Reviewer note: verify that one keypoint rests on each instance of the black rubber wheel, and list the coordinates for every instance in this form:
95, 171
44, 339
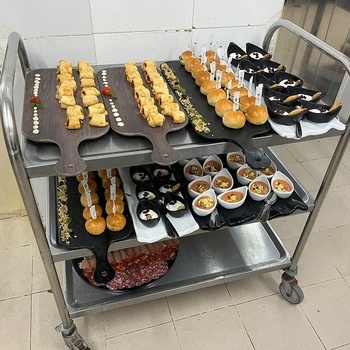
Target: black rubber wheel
296, 297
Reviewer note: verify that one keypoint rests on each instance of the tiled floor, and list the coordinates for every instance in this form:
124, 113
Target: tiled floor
243, 315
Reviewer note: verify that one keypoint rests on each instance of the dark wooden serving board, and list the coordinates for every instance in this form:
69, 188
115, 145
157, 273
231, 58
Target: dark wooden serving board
80, 238
134, 123
218, 131
52, 122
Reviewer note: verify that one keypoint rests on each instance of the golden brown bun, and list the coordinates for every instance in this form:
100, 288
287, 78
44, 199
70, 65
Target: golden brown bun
91, 184
94, 199
209, 60
91, 176
119, 194
214, 95
221, 67
210, 54
257, 115
116, 222
207, 85
201, 77
234, 119
191, 63
103, 172
245, 102
243, 91
226, 76
119, 206
222, 106
106, 182
87, 214
196, 69
95, 226
185, 56
234, 84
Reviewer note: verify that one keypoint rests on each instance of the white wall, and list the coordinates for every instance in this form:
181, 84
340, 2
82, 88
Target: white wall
115, 31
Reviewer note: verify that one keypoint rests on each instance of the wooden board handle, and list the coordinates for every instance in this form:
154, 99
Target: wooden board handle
104, 272
70, 163
163, 153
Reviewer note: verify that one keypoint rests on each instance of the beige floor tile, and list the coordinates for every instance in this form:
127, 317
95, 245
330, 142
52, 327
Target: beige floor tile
283, 154
39, 281
15, 272
303, 176
158, 337
330, 143
346, 347
254, 287
91, 327
335, 210
15, 323
335, 243
317, 168
217, 330
199, 301
289, 226
45, 318
98, 345
138, 316
308, 150
314, 264
347, 279
15, 232
272, 323
327, 306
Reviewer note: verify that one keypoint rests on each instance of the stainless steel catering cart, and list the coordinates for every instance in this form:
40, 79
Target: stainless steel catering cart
221, 257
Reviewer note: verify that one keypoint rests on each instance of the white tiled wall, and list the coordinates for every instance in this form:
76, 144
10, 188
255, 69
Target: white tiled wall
114, 31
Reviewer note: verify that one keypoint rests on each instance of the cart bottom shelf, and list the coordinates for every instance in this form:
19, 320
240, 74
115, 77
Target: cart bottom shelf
203, 260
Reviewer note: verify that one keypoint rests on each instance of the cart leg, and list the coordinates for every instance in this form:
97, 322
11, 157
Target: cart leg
290, 289
72, 338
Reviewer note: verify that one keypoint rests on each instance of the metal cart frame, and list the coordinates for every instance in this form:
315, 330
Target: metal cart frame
289, 287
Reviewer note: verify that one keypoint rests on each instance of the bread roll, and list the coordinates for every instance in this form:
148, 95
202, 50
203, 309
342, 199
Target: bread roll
206, 86
226, 76
245, 102
191, 63
90, 176
214, 95
87, 214
222, 106
119, 206
84, 199
196, 69
119, 194
95, 226
185, 56
91, 184
242, 90
234, 119
103, 172
115, 222
201, 77
257, 115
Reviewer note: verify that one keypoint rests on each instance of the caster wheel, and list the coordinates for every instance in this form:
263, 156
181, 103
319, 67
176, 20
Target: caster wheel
295, 297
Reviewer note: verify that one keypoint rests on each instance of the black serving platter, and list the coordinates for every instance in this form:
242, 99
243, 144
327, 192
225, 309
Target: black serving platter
320, 113
305, 94
256, 53
242, 137
236, 53
80, 238
249, 68
269, 66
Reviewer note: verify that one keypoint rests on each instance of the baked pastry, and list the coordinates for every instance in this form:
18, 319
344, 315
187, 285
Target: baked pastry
84, 199
226, 76
222, 106
89, 175
103, 172
177, 117
89, 91
68, 83
95, 226
64, 63
196, 69
155, 119
214, 95
73, 123
201, 77
65, 76
67, 101
97, 108
107, 181
118, 204
75, 111
168, 108
206, 86
234, 119
185, 56
83, 65
87, 212
86, 74
64, 91
211, 54
118, 193
191, 62
115, 222
257, 115
87, 83
98, 120
148, 109
242, 91
245, 102
90, 184
141, 91
166, 99
89, 100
